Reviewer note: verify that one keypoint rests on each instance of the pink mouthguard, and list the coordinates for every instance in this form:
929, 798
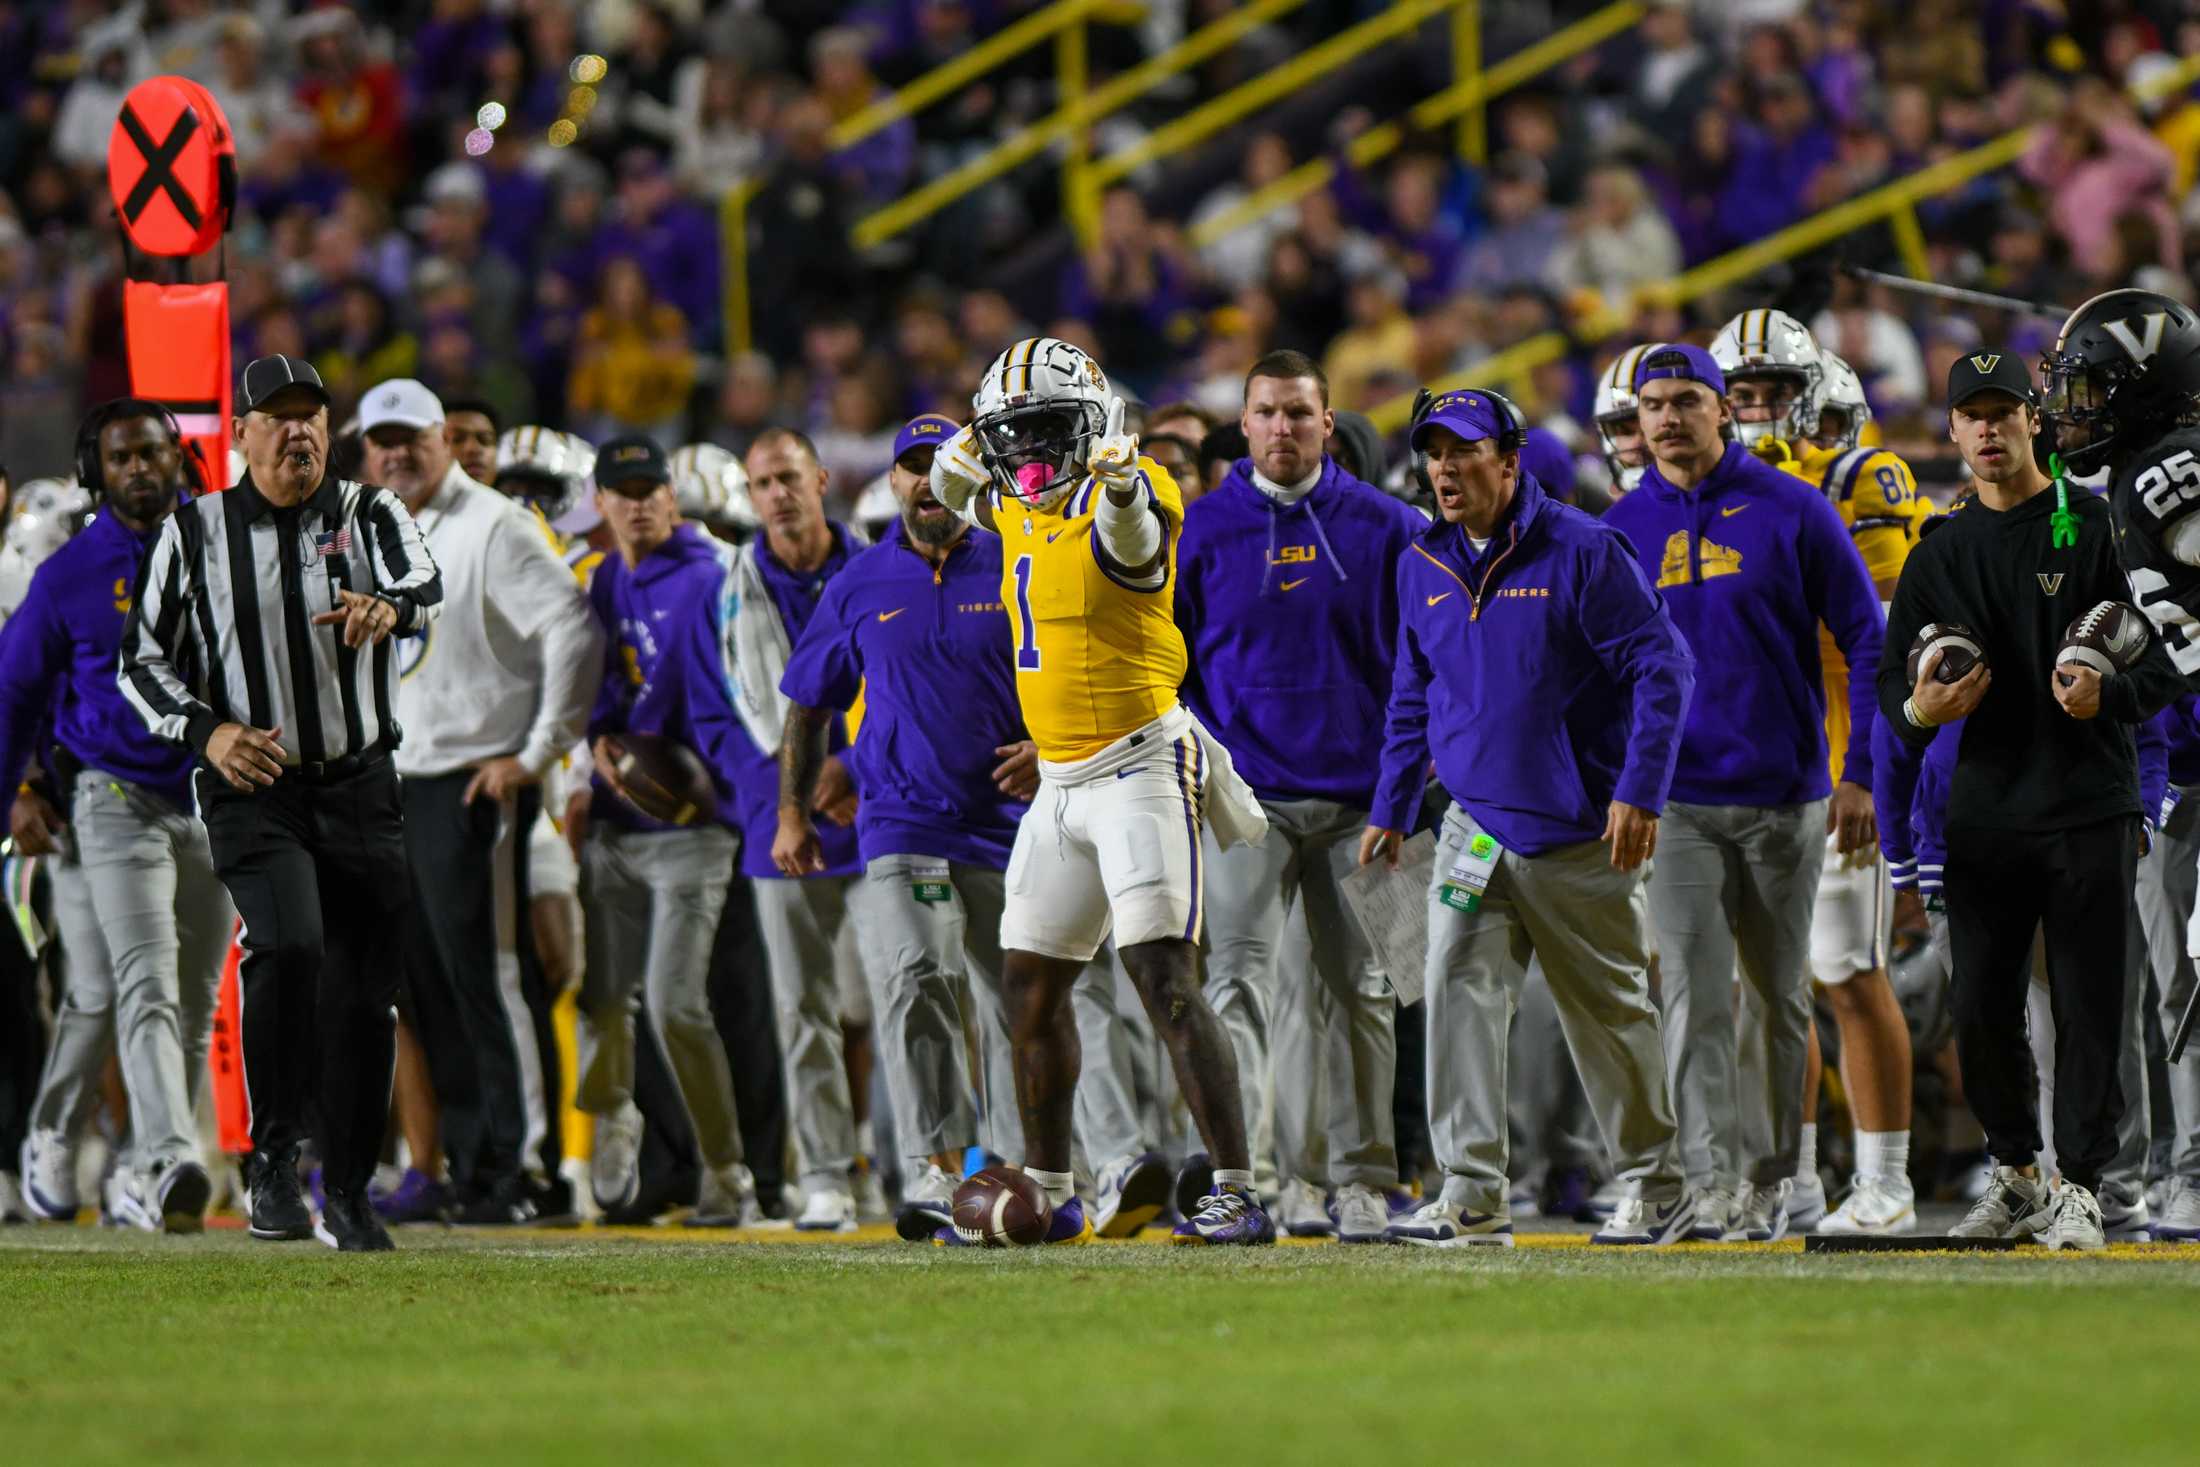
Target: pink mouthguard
1031, 478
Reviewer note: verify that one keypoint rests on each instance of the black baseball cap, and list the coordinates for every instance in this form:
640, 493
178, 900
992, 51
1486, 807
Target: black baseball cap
1990, 371
267, 376
629, 457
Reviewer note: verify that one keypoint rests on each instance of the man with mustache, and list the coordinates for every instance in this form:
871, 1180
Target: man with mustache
259, 636
145, 921
1751, 561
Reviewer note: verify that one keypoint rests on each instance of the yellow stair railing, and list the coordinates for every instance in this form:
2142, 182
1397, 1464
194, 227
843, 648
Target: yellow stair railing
1896, 202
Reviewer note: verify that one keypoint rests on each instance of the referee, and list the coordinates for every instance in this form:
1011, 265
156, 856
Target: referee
2043, 816
259, 636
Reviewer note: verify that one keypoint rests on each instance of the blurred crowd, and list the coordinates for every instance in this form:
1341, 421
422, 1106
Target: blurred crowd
519, 202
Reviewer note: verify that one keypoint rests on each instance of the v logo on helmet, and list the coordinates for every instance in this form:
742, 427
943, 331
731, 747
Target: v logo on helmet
2136, 346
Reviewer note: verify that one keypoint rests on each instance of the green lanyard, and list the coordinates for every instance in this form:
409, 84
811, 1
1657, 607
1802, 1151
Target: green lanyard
2064, 524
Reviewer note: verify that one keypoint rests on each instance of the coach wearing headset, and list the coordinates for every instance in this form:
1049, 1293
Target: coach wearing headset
1542, 671
147, 940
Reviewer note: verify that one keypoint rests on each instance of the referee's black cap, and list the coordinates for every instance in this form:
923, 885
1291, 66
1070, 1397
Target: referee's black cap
631, 458
266, 376
1990, 371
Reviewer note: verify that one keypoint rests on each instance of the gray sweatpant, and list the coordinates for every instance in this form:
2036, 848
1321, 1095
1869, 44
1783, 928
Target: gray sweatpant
800, 921
1585, 922
1124, 1084
2168, 878
1736, 881
1312, 846
652, 900
932, 931
145, 926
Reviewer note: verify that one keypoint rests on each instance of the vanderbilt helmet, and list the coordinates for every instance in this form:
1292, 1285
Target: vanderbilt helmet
1615, 414
1765, 344
544, 468
1040, 408
2124, 369
713, 488
1842, 392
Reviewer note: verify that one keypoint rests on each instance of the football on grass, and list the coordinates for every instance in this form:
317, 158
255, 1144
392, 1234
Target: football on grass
663, 777
1001, 1207
1958, 646
2109, 639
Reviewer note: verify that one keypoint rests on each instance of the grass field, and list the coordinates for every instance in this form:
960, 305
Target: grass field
588, 1347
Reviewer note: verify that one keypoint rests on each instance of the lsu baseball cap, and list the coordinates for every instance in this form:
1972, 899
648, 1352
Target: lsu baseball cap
629, 457
1469, 412
267, 376
1682, 363
925, 428
402, 401
1990, 371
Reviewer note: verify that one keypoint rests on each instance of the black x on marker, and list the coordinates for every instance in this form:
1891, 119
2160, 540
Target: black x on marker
160, 166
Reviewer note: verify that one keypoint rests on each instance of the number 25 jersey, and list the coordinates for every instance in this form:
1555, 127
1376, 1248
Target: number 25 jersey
2156, 496
1096, 657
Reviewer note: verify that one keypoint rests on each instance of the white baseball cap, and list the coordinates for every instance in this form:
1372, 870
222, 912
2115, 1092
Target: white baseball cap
400, 400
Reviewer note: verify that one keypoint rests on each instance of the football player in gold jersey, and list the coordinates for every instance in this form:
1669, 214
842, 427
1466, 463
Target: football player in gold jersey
1128, 778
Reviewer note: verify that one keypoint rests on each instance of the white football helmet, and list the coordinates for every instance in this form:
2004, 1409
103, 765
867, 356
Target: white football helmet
876, 507
47, 513
712, 487
1842, 392
545, 468
1615, 410
1041, 407
1764, 343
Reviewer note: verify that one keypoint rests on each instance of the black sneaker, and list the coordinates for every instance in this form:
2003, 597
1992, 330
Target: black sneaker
505, 1205
182, 1189
553, 1202
279, 1212
1195, 1182
348, 1225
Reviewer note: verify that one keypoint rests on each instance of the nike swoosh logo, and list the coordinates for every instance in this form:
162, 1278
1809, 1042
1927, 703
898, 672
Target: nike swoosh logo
1434, 599
1732, 510
1288, 585
890, 615
1051, 534
1127, 773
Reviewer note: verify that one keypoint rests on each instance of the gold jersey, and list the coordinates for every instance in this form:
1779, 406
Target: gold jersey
1096, 658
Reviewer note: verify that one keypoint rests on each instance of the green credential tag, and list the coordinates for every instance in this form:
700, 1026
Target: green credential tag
928, 883
1470, 875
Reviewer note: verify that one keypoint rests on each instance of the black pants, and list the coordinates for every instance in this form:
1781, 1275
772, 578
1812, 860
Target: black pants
471, 906
22, 1043
2002, 887
318, 874
741, 1005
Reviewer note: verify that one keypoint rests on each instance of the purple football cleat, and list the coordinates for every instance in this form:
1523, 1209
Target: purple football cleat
1227, 1217
417, 1199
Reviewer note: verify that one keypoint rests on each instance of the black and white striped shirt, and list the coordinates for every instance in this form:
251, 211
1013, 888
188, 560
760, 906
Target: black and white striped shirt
221, 629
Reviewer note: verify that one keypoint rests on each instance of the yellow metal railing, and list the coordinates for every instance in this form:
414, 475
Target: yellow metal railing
1896, 202
1056, 20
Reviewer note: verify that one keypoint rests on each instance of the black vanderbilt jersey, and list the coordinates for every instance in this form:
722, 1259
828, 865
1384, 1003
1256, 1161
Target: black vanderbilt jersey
2154, 492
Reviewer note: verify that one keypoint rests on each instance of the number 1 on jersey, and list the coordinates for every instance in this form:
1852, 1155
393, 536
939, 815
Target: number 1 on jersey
1027, 636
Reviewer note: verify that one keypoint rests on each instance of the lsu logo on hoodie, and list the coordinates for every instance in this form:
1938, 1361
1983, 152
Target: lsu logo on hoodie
1712, 560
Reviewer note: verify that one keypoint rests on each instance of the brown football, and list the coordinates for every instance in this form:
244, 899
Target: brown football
1000, 1207
663, 777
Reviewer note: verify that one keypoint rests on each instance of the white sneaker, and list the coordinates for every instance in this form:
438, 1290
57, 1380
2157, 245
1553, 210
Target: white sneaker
1875, 1206
829, 1210
1806, 1202
615, 1159
2179, 1218
1442, 1224
1605, 1200
2074, 1220
1764, 1211
1303, 1212
1131, 1191
2014, 1206
1640, 1223
728, 1200
12, 1207
1718, 1216
1521, 1199
49, 1176
2124, 1219
927, 1204
1362, 1215
870, 1194
122, 1203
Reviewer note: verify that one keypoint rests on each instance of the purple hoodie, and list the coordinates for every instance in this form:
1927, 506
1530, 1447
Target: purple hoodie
1751, 561
1290, 617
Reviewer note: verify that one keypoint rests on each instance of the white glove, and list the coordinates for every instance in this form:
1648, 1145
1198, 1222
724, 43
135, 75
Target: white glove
1114, 459
958, 473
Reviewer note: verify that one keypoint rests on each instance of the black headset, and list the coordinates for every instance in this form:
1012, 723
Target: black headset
1510, 437
92, 476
